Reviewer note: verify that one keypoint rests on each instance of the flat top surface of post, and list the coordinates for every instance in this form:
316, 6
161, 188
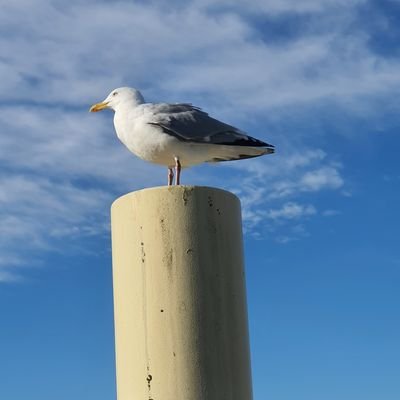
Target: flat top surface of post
184, 190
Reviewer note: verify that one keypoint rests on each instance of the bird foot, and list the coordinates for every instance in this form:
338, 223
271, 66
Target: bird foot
170, 176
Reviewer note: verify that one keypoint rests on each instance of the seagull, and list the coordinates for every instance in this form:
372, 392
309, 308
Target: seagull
176, 135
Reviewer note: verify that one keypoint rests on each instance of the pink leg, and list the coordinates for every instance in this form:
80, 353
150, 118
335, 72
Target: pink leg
177, 171
170, 176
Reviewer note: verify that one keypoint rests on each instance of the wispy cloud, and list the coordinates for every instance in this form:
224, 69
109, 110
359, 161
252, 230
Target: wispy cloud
163, 50
330, 213
291, 210
294, 233
284, 6
36, 211
273, 190
326, 177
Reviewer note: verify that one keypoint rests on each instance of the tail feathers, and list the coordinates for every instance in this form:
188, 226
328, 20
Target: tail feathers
230, 153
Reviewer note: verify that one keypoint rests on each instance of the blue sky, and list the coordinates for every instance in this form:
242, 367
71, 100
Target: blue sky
318, 78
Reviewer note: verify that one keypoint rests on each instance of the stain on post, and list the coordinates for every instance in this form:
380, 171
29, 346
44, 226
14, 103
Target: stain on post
142, 252
186, 194
149, 379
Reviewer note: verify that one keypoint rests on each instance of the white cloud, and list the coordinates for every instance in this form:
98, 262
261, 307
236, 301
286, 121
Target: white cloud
330, 213
7, 276
291, 210
283, 6
272, 189
188, 53
33, 211
294, 233
323, 178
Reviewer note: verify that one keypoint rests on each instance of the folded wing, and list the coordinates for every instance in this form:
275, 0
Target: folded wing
190, 124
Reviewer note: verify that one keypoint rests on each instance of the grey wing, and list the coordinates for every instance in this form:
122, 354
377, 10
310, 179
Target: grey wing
190, 124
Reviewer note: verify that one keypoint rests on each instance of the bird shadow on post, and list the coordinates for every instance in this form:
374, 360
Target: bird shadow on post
181, 327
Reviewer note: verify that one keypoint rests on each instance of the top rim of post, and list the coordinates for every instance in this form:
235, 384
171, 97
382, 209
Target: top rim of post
179, 188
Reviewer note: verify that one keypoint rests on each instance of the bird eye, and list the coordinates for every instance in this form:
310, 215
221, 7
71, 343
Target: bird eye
115, 93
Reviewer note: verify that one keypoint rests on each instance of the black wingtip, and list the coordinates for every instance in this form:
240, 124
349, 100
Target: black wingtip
270, 150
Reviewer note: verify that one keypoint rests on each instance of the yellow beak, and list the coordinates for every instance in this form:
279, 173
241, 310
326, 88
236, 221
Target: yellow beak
99, 106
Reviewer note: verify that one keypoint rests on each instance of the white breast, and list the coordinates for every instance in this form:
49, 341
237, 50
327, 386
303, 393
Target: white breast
144, 140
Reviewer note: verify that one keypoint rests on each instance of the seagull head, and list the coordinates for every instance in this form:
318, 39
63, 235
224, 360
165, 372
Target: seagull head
123, 95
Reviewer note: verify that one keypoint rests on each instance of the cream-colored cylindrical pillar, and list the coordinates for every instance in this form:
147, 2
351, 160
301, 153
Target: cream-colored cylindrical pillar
181, 326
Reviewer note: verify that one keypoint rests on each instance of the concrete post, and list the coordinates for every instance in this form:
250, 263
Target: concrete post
179, 295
